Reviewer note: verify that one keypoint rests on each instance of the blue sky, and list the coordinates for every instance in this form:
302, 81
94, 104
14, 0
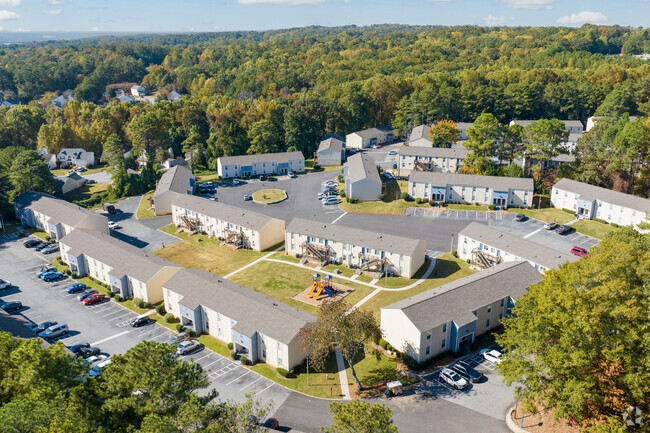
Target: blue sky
143, 16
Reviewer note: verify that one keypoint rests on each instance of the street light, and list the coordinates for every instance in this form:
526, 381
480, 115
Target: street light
452, 243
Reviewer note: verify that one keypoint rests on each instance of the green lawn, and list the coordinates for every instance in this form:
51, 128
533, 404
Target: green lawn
208, 254
207, 178
391, 204
64, 171
85, 192
465, 207
309, 165
372, 371
548, 214
280, 255
396, 282
144, 208
10, 227
269, 195
593, 228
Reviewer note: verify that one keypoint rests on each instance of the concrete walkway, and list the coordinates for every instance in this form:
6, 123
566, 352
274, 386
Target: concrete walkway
343, 376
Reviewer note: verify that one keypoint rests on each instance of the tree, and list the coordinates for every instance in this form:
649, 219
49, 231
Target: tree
360, 417
510, 142
579, 342
444, 133
338, 329
28, 172
148, 136
545, 139
482, 135
114, 149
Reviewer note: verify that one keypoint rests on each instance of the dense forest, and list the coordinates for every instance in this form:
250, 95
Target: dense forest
255, 92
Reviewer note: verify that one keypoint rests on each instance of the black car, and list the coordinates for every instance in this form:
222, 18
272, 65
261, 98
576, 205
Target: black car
31, 243
87, 352
43, 326
10, 307
42, 245
76, 349
467, 372
262, 178
139, 321
21, 234
272, 179
565, 229
520, 217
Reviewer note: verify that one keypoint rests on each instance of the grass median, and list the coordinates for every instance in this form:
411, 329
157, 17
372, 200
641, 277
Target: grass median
594, 229
269, 195
548, 214
144, 208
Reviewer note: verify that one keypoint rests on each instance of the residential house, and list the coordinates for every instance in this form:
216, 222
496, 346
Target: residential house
438, 159
419, 137
591, 122
64, 98
260, 328
362, 179
237, 227
69, 183
173, 162
453, 315
175, 182
129, 271
56, 217
174, 96
49, 158
126, 98
331, 151
76, 156
265, 163
490, 190
371, 251
138, 91
589, 202
370, 137
484, 246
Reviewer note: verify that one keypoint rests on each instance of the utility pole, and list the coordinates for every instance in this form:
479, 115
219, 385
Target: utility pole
452, 243
307, 370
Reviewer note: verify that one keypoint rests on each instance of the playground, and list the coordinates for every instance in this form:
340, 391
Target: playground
322, 288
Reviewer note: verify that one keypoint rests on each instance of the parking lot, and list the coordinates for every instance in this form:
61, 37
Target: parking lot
106, 324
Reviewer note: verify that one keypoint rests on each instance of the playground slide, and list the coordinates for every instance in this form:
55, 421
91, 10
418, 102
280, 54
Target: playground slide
313, 289
328, 291
320, 290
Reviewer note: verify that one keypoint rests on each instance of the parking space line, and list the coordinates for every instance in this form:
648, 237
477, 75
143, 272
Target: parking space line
109, 338
532, 233
265, 389
256, 380
197, 360
164, 335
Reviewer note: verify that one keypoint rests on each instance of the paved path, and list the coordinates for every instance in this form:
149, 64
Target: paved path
343, 376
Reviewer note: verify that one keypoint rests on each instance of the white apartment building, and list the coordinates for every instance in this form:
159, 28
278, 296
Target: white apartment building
362, 180
370, 137
438, 159
265, 163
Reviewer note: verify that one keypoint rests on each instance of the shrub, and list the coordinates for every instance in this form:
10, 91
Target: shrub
74, 276
600, 220
244, 360
234, 355
67, 272
432, 202
138, 302
340, 178
389, 347
282, 372
47, 238
160, 309
454, 253
190, 332
405, 196
179, 327
410, 362
383, 343
147, 305
111, 294
477, 204
316, 167
418, 200
118, 298
230, 346
59, 261
342, 193
492, 207
615, 225
169, 318
381, 197
355, 200
572, 212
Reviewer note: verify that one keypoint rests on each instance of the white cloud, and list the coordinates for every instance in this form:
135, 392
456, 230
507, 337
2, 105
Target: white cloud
1, 28
10, 3
56, 2
492, 20
282, 2
52, 11
94, 29
20, 31
584, 17
529, 4
8, 15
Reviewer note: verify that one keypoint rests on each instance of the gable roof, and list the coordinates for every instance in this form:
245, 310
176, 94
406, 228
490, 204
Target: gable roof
175, 179
362, 166
373, 132
498, 183
224, 212
261, 157
520, 247
591, 193
124, 258
420, 132
69, 183
567, 123
464, 125
331, 143
59, 211
355, 236
434, 152
455, 301
251, 310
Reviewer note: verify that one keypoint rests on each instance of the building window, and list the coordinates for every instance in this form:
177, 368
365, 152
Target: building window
490, 309
502, 302
444, 327
487, 323
428, 336
444, 343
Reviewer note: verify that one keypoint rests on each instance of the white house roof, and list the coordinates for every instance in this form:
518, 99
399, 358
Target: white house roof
331, 143
175, 179
434, 152
374, 132
362, 166
464, 125
455, 301
591, 193
262, 157
59, 211
420, 132
498, 183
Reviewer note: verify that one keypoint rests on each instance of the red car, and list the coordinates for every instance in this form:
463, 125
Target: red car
93, 299
579, 251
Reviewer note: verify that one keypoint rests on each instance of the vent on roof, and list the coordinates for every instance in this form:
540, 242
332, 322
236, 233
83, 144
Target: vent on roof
275, 305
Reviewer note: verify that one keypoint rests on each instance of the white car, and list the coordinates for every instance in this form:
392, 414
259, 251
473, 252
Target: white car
5, 285
322, 195
97, 368
330, 201
392, 152
452, 378
187, 346
113, 225
492, 355
95, 359
550, 225
331, 183
236, 181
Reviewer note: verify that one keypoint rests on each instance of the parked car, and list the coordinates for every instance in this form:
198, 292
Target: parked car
91, 181
107, 207
113, 225
81, 169
30, 243
262, 177
42, 246
83, 295
93, 360
53, 276
550, 225
205, 184
97, 369
467, 372
140, 320
4, 284
492, 355
565, 229
322, 195
43, 326
272, 179
75, 288
248, 197
93, 299
388, 175
187, 346
292, 175
330, 201
50, 249
520, 217
271, 423
237, 182
12, 306
178, 338
452, 378
392, 152
579, 251
54, 331
77, 347
45, 270
21, 234
87, 352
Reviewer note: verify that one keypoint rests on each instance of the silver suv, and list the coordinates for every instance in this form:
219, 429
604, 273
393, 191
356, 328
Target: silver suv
54, 331
452, 378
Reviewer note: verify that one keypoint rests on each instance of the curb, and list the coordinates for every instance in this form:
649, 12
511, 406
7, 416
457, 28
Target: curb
286, 196
511, 424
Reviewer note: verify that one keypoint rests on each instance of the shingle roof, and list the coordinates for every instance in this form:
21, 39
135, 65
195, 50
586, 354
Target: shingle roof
224, 212
331, 143
456, 300
262, 157
373, 132
498, 183
175, 179
434, 152
567, 123
362, 166
355, 236
59, 211
420, 132
125, 259
251, 310
464, 125
520, 247
591, 193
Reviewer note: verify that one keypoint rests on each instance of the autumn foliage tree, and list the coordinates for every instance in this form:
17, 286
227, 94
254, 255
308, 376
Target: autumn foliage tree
444, 133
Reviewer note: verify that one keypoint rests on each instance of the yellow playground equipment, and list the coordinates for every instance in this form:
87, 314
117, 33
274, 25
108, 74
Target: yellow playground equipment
321, 285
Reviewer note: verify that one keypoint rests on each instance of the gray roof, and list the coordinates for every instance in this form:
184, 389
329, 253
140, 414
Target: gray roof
374, 132
497, 183
567, 123
355, 236
574, 136
434, 152
224, 212
570, 123
251, 310
175, 179
520, 247
591, 193
331, 143
69, 183
124, 258
262, 157
464, 125
420, 132
59, 211
362, 166
456, 300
